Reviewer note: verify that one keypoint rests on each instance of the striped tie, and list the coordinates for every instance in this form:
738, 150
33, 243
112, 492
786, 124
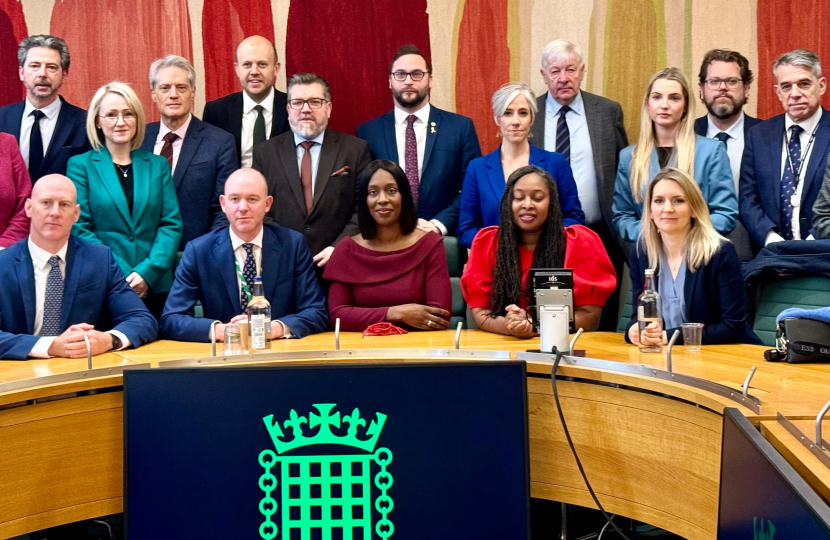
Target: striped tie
563, 136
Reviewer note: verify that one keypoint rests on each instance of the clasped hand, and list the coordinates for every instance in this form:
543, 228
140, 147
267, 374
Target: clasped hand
651, 335
71, 344
419, 316
517, 322
276, 328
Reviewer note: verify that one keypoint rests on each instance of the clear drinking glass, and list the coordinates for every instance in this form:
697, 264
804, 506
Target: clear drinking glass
692, 335
233, 341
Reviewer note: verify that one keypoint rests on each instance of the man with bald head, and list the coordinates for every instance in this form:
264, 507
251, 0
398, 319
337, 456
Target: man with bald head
56, 287
258, 112
217, 268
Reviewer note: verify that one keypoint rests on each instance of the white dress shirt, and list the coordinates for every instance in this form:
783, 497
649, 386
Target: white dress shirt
249, 118
315, 156
420, 128
734, 145
582, 153
47, 126
177, 144
809, 126
40, 262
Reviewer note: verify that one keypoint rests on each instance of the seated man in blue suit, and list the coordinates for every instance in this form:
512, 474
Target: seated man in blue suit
432, 146
56, 287
201, 156
785, 156
215, 267
48, 129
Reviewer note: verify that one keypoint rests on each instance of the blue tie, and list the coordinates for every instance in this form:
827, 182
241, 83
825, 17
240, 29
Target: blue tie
563, 136
54, 299
249, 272
788, 182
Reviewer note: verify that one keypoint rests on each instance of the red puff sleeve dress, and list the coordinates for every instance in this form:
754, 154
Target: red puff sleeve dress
594, 275
365, 282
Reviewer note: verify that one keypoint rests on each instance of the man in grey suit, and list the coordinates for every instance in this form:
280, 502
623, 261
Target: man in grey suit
588, 130
312, 170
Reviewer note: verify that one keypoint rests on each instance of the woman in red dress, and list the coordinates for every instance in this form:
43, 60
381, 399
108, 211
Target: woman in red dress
392, 271
531, 235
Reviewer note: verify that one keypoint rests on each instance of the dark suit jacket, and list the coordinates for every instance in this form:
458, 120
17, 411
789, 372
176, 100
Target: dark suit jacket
334, 211
69, 138
702, 124
714, 296
226, 113
94, 292
207, 273
206, 160
760, 185
451, 145
607, 133
484, 187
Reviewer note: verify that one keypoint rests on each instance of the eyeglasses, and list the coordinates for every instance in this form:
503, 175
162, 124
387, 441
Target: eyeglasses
731, 83
314, 103
112, 118
416, 75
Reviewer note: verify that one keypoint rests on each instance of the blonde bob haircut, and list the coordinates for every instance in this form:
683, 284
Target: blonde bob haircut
684, 145
95, 134
504, 96
702, 240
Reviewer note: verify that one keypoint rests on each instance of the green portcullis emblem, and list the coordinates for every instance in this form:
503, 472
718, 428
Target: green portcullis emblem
331, 494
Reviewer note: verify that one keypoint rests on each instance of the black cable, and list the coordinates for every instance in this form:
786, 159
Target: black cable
571, 444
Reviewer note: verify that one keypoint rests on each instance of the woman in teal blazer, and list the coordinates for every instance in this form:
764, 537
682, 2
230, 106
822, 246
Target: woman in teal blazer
127, 195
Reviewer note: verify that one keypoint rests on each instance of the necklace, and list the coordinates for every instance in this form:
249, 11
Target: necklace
124, 170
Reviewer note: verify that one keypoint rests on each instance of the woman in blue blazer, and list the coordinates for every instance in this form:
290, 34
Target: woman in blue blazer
127, 195
514, 109
697, 271
667, 139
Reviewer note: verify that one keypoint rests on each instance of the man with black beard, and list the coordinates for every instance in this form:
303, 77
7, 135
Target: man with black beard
432, 146
725, 80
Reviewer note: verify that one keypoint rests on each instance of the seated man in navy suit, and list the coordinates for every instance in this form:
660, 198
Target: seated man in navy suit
432, 146
56, 287
48, 129
785, 156
215, 267
201, 156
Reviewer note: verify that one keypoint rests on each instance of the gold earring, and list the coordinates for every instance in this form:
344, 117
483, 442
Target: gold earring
499, 135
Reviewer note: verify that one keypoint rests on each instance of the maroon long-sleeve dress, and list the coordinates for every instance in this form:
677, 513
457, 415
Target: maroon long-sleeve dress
365, 282
15, 188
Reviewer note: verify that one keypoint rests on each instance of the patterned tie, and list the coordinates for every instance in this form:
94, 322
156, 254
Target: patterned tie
305, 175
789, 180
259, 125
723, 137
35, 145
563, 136
54, 299
249, 272
411, 158
167, 148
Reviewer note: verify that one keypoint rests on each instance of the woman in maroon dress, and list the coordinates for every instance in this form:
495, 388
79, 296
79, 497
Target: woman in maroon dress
392, 271
531, 235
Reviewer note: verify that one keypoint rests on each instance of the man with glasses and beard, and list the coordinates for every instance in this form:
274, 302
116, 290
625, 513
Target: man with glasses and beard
725, 80
431, 145
311, 170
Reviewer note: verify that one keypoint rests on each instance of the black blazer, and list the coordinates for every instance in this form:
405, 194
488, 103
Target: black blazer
714, 296
69, 138
206, 160
702, 124
334, 211
226, 113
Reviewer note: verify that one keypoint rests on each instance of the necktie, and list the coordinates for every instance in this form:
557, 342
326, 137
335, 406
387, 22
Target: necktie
788, 181
563, 136
259, 125
249, 273
722, 137
35, 145
167, 148
305, 174
54, 299
411, 158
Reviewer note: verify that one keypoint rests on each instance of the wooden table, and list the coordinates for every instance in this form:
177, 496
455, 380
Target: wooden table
650, 446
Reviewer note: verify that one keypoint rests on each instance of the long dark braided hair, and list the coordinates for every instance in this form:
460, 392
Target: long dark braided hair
549, 252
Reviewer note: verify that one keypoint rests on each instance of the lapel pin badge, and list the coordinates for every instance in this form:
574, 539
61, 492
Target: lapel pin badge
432, 127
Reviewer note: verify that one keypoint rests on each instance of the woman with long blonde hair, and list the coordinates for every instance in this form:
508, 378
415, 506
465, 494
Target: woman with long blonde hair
698, 274
667, 139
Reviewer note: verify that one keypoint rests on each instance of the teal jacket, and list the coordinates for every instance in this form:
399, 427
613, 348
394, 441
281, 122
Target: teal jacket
144, 242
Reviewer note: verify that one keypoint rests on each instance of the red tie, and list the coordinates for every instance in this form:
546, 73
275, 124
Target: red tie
305, 174
167, 148
411, 158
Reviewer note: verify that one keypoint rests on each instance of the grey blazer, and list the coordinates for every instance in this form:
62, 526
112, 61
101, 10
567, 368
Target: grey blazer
607, 132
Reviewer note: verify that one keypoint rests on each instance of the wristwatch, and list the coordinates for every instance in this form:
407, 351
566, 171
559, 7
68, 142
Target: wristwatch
116, 342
